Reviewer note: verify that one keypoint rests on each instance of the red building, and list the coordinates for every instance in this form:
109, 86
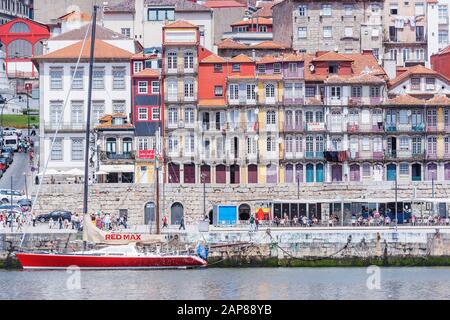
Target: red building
146, 111
22, 40
440, 62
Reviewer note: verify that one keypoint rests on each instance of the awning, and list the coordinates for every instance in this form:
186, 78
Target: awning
117, 168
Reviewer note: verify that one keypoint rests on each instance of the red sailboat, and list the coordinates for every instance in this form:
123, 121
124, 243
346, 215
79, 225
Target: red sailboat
122, 251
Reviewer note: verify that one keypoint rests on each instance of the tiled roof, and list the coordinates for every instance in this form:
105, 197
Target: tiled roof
223, 4
142, 55
265, 9
211, 103
180, 5
147, 73
101, 33
293, 57
259, 20
416, 70
268, 59
213, 59
242, 58
267, 45
180, 24
106, 122
231, 44
405, 99
332, 56
441, 99
102, 51
361, 78
75, 15
124, 6
445, 50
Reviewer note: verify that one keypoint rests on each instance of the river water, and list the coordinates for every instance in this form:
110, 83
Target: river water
245, 283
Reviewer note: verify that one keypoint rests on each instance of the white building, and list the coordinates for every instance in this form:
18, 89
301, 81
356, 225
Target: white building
63, 107
149, 16
101, 33
438, 16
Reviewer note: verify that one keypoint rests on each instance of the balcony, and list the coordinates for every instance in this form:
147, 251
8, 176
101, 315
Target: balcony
418, 127
431, 156
336, 127
294, 155
314, 155
290, 100
376, 100
287, 128
315, 126
391, 128
443, 20
112, 156
65, 126
242, 102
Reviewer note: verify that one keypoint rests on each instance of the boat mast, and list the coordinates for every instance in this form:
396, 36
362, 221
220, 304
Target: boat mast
88, 121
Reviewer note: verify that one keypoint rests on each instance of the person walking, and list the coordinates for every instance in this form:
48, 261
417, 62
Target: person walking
60, 221
256, 223
33, 218
165, 222
182, 224
252, 223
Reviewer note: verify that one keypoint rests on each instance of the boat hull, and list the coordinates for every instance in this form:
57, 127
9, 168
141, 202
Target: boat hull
86, 261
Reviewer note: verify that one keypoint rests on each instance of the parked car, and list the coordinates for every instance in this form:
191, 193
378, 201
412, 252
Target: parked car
54, 215
8, 131
5, 195
8, 149
4, 164
8, 156
24, 202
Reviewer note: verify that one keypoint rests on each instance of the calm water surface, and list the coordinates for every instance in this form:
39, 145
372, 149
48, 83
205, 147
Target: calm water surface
248, 283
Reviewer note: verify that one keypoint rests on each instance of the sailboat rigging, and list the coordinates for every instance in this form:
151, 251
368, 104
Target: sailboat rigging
122, 252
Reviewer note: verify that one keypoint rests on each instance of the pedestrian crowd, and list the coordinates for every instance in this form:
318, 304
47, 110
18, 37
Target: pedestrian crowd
108, 222
16, 219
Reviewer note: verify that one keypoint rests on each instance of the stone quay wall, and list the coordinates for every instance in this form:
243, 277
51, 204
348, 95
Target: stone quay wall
133, 197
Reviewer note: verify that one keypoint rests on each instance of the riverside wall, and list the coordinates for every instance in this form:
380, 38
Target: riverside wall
133, 197
405, 246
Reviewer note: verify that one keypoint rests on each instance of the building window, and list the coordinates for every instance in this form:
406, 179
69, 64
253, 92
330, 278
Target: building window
405, 54
404, 143
189, 115
98, 110
137, 66
189, 89
126, 32
333, 68
270, 90
142, 114
77, 113
77, 78
56, 78
251, 94
356, 92
277, 67
118, 106
292, 67
98, 78
335, 92
234, 91
172, 89
271, 147
118, 78
20, 49
404, 169
236, 67
302, 32
415, 83
416, 145
57, 149
142, 87
419, 9
348, 10
393, 9
420, 35
173, 144
155, 87
160, 14
218, 91
55, 112
348, 32
366, 170
19, 27
77, 149
262, 28
270, 117
327, 32
302, 10
173, 116
326, 10
261, 68
217, 67
189, 60
171, 60
374, 92
443, 36
310, 92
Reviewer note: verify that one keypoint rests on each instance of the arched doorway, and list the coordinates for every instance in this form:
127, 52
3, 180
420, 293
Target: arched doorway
176, 213
416, 172
244, 212
149, 213
391, 172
